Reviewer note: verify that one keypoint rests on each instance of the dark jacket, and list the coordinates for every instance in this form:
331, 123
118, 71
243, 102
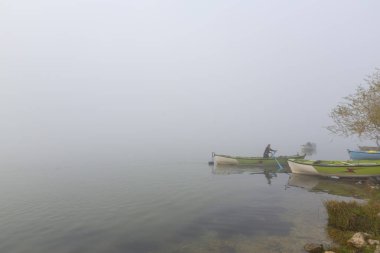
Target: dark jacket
267, 151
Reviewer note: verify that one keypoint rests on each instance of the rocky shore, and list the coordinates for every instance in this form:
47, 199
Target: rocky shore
353, 226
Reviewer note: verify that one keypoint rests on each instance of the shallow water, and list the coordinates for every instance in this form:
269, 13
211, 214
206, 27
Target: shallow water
172, 207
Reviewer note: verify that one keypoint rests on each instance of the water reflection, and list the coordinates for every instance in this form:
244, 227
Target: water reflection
346, 187
268, 172
180, 208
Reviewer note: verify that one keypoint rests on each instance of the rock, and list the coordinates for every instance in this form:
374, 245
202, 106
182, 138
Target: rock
326, 246
377, 250
329, 252
313, 248
373, 242
358, 240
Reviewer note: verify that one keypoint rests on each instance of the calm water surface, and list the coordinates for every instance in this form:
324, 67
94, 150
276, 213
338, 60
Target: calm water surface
172, 207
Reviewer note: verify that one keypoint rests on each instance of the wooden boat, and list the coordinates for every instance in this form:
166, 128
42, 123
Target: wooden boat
364, 155
245, 160
368, 148
358, 168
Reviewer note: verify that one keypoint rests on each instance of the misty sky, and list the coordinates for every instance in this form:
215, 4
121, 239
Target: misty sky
123, 80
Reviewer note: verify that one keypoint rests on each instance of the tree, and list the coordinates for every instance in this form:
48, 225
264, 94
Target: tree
360, 113
309, 148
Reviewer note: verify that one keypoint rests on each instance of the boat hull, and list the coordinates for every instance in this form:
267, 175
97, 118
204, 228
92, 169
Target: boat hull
362, 168
240, 160
364, 155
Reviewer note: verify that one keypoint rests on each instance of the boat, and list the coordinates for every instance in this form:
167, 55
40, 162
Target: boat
357, 168
364, 155
246, 160
369, 148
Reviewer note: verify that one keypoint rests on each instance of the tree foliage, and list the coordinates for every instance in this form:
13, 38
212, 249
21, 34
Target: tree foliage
309, 148
359, 114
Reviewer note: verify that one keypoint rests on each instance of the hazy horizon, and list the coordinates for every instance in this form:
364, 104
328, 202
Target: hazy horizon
176, 80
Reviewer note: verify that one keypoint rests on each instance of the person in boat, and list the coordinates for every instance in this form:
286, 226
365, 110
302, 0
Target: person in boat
267, 151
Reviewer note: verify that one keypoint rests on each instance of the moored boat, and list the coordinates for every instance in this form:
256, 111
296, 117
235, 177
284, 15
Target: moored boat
358, 168
246, 160
369, 148
364, 155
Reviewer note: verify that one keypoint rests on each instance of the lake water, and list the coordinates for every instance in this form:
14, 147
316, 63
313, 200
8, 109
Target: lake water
168, 207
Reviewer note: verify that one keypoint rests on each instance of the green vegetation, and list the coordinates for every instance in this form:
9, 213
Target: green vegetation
341, 237
360, 113
347, 218
352, 216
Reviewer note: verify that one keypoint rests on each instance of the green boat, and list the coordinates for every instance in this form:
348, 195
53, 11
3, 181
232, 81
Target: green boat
352, 168
246, 160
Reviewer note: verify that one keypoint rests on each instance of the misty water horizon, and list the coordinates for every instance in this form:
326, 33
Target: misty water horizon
165, 81
110, 111
115, 152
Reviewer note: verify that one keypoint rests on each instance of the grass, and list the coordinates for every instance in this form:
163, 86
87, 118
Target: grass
353, 216
347, 218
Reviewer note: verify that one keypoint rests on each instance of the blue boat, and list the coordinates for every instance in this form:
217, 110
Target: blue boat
364, 155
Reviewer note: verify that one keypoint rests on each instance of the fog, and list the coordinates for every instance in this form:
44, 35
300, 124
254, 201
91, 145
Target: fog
111, 81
